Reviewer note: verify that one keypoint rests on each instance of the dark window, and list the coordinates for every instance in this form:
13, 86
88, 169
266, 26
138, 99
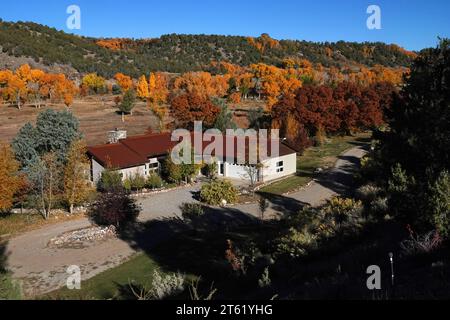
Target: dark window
280, 163
153, 165
221, 168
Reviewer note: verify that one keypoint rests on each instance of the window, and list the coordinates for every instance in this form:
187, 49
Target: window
221, 168
153, 167
280, 166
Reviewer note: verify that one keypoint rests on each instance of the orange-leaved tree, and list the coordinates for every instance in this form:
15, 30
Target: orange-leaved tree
11, 180
189, 107
125, 82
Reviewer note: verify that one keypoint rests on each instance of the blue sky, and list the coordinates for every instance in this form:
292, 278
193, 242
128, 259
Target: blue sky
413, 24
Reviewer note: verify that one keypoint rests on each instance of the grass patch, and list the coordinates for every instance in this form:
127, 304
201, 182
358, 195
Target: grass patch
315, 157
14, 223
112, 283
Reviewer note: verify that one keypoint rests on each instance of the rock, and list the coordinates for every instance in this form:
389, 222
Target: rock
83, 237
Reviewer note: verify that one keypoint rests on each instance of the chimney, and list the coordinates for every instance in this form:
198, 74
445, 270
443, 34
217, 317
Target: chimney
116, 135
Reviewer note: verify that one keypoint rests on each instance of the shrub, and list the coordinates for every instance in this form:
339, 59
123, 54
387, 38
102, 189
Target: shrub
379, 207
417, 244
135, 182
439, 203
210, 170
218, 190
403, 194
164, 286
171, 171
265, 281
114, 208
296, 243
116, 89
127, 184
154, 181
370, 168
110, 180
343, 209
367, 192
192, 210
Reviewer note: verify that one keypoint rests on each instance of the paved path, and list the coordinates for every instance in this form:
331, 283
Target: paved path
44, 269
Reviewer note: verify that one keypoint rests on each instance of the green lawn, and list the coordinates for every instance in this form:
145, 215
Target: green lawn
111, 283
314, 157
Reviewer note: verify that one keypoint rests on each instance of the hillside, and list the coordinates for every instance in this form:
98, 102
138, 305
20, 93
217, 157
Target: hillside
177, 53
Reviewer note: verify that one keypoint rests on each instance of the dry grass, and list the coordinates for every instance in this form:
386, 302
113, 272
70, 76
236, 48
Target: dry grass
97, 115
13, 224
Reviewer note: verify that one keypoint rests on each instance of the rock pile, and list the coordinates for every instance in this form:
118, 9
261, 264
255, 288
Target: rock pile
83, 237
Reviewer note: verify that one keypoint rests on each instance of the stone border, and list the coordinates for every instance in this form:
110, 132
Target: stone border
161, 190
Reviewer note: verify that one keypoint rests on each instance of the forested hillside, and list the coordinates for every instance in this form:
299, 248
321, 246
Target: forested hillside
182, 53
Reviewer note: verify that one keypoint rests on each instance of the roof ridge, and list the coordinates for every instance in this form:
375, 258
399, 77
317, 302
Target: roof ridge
145, 135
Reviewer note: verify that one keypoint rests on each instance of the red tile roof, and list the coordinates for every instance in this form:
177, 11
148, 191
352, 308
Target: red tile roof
136, 150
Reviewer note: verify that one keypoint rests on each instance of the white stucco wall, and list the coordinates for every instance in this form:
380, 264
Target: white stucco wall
97, 170
235, 171
129, 172
269, 170
270, 167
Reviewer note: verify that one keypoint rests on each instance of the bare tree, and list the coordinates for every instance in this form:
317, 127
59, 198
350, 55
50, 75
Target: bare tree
252, 172
46, 176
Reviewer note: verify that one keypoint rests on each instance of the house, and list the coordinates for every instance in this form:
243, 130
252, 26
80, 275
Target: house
144, 154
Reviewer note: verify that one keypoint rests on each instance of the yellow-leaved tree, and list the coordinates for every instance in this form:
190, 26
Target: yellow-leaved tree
11, 179
142, 88
77, 186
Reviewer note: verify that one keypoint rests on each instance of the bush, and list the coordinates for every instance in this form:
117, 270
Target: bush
210, 170
218, 190
403, 195
154, 181
136, 182
343, 209
439, 203
114, 208
171, 171
167, 285
379, 207
191, 211
296, 243
110, 180
418, 244
116, 89
368, 192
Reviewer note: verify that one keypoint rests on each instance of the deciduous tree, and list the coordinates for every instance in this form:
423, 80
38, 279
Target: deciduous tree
188, 108
77, 186
11, 179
